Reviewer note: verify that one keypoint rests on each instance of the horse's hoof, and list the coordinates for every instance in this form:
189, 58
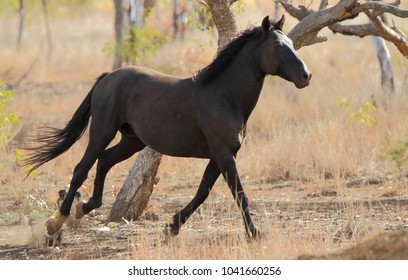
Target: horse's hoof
54, 224
257, 236
79, 212
169, 232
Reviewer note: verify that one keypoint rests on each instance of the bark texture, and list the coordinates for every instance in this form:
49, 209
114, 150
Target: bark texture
138, 187
224, 20
306, 32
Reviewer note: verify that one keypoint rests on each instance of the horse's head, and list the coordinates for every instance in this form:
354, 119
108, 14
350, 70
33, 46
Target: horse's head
278, 57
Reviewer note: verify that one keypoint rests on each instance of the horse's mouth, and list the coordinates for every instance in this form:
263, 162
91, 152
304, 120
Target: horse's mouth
302, 85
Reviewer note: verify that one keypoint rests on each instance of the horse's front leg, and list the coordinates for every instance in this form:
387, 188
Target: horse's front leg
211, 173
226, 162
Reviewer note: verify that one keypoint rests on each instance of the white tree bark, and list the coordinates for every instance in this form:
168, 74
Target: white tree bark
383, 54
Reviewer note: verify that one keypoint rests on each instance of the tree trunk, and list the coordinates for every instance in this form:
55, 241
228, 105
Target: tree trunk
20, 24
224, 21
138, 187
276, 14
48, 30
383, 54
121, 28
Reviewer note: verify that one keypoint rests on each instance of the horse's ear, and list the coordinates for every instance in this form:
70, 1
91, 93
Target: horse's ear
279, 24
266, 23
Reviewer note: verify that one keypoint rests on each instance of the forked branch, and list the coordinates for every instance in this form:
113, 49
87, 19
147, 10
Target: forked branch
306, 32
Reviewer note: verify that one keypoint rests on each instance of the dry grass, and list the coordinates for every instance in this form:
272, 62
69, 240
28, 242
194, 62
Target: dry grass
294, 136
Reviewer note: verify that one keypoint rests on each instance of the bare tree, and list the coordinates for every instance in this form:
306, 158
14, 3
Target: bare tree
384, 57
20, 23
121, 28
47, 29
306, 32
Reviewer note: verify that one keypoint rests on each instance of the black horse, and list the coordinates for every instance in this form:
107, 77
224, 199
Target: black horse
203, 116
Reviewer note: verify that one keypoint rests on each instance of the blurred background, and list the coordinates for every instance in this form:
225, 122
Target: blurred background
343, 127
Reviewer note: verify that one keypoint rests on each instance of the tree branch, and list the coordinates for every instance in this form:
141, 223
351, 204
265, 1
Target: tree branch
360, 30
323, 4
380, 8
311, 22
298, 13
306, 32
390, 34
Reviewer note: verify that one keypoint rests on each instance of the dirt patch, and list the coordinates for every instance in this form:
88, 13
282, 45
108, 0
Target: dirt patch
341, 222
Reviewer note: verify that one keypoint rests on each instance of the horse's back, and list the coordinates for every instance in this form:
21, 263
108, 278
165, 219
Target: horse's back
127, 88
161, 109
143, 76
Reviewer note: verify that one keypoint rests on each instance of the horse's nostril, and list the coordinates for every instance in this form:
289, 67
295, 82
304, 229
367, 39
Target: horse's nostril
307, 76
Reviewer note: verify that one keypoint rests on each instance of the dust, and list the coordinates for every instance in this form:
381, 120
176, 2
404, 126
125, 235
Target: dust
27, 234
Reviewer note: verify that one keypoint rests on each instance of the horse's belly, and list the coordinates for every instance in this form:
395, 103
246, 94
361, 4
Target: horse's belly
169, 126
180, 147
176, 141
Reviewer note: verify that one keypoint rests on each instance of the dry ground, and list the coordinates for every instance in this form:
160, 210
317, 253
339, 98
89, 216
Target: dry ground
317, 183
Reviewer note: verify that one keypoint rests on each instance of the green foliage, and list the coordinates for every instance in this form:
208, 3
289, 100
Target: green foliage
31, 208
201, 19
398, 153
19, 156
358, 114
9, 122
34, 207
396, 149
8, 6
9, 218
241, 6
138, 44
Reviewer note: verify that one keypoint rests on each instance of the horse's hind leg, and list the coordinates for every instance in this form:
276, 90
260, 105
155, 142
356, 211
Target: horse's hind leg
97, 144
127, 147
211, 173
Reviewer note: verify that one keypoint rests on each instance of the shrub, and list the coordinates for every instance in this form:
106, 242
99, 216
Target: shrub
9, 122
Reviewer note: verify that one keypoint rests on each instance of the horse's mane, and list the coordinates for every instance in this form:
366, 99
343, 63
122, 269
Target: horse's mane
226, 55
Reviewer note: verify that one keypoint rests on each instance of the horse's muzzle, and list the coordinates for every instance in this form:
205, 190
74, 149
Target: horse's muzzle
305, 80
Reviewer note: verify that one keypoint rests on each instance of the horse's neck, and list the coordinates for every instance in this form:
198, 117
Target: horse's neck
242, 82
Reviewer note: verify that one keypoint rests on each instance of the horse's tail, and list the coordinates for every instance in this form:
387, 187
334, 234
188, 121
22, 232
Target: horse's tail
54, 141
